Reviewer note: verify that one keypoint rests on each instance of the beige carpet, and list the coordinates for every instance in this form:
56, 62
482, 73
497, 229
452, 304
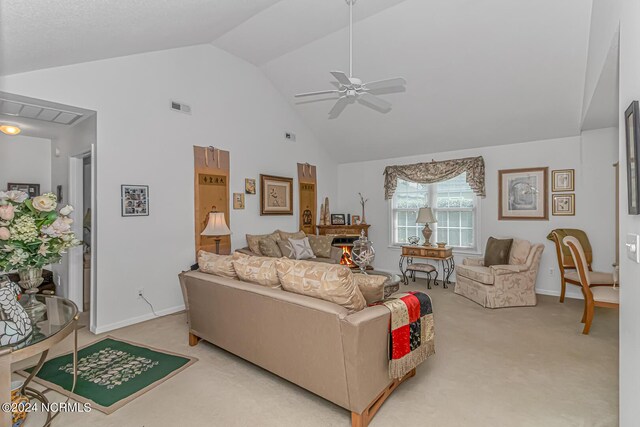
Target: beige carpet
508, 367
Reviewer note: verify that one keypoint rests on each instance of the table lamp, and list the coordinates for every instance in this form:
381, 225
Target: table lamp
425, 216
216, 227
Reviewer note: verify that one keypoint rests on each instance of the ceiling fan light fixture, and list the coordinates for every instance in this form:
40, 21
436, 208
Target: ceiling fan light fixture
10, 130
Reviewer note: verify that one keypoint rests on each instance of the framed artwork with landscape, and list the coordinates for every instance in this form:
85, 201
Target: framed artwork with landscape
632, 127
522, 194
276, 195
338, 219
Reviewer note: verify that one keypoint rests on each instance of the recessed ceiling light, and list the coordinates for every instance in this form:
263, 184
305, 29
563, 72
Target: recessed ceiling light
10, 129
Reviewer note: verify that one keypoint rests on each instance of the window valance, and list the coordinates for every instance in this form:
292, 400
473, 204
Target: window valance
431, 172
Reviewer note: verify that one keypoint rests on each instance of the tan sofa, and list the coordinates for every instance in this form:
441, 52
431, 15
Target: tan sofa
336, 253
313, 343
511, 285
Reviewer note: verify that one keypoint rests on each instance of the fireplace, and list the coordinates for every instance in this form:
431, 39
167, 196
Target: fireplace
345, 243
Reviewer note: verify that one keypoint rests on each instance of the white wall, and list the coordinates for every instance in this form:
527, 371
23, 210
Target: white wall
141, 141
25, 159
629, 271
591, 155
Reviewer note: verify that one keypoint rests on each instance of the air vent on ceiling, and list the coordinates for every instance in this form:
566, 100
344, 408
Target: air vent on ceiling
178, 106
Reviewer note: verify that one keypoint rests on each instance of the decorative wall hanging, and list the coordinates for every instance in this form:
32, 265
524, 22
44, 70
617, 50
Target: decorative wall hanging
563, 204
432, 172
563, 180
249, 186
238, 200
276, 195
523, 194
211, 188
307, 181
632, 126
134, 200
33, 190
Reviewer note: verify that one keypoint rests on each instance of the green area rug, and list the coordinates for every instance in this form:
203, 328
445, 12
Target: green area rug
111, 372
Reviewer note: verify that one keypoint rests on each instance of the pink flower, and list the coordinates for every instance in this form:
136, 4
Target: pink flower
59, 227
5, 234
7, 212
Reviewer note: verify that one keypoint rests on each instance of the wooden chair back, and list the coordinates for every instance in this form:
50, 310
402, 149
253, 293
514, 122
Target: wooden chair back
581, 263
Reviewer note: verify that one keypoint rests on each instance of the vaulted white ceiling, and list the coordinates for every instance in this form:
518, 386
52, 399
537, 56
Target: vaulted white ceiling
479, 72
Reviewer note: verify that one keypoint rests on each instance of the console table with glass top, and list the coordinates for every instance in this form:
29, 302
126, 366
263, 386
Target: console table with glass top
58, 322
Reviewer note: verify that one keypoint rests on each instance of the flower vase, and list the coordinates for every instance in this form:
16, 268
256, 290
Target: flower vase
30, 279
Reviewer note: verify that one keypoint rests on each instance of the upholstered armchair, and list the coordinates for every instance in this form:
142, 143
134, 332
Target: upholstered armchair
510, 285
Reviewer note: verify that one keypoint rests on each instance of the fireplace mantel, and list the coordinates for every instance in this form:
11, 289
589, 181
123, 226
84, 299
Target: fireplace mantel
343, 230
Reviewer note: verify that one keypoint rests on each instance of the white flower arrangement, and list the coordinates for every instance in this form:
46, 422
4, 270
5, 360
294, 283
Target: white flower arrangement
32, 232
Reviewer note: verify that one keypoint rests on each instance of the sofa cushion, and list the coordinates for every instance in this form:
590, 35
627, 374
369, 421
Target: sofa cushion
301, 248
269, 247
286, 249
321, 245
285, 235
519, 252
256, 269
497, 251
371, 286
220, 265
328, 282
476, 273
254, 239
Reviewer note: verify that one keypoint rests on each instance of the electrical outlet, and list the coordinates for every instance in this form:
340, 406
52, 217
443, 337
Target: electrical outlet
140, 293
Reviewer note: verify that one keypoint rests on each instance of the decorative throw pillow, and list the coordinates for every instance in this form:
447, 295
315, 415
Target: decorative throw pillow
321, 245
286, 249
371, 286
284, 235
329, 282
253, 241
220, 265
302, 249
256, 269
519, 252
497, 251
269, 247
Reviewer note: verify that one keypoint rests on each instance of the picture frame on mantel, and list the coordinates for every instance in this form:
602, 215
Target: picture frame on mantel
523, 194
632, 130
276, 195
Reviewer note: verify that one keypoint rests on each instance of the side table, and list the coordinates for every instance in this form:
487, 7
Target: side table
443, 256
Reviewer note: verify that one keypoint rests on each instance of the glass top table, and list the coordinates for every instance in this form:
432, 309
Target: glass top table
54, 323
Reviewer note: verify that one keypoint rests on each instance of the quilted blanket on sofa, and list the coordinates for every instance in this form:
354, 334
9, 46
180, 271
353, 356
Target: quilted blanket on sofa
411, 335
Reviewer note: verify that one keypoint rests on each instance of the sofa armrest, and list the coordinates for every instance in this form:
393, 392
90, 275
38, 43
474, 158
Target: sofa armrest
499, 270
336, 254
365, 340
478, 262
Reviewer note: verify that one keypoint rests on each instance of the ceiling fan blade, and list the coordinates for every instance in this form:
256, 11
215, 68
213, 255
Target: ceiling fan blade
381, 84
321, 92
374, 102
339, 107
341, 77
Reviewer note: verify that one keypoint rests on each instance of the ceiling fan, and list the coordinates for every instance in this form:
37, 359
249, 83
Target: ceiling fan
351, 89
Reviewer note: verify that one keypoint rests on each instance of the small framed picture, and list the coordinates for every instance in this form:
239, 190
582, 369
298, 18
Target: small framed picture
355, 219
135, 200
249, 186
563, 204
338, 219
238, 200
632, 132
33, 190
563, 180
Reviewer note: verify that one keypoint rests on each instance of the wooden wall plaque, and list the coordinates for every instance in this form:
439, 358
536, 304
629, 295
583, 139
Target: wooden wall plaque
308, 188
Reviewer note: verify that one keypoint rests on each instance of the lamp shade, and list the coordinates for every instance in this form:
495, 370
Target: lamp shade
216, 226
425, 216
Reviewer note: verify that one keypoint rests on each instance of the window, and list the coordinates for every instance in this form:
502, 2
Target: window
454, 205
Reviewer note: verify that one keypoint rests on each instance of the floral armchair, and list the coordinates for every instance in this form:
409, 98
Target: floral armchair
510, 285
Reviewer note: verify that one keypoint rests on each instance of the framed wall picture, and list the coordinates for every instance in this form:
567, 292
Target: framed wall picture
338, 219
563, 180
355, 219
563, 204
238, 200
632, 128
135, 200
33, 190
276, 195
249, 186
522, 194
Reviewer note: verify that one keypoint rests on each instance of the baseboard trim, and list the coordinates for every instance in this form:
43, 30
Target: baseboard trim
139, 319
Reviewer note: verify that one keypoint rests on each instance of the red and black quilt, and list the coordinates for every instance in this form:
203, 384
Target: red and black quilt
411, 332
